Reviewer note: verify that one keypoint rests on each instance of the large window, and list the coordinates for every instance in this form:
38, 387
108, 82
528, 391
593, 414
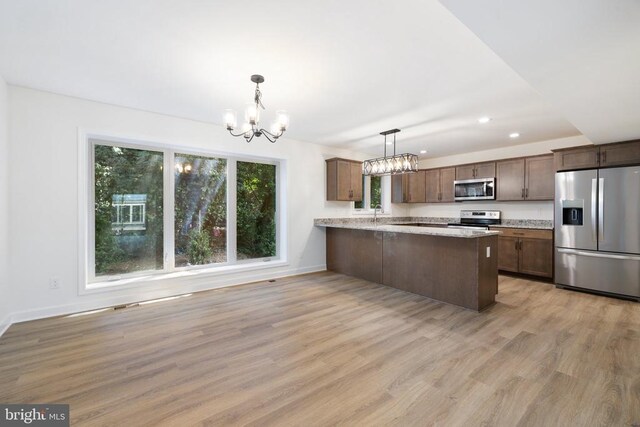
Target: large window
128, 210
256, 210
161, 210
200, 210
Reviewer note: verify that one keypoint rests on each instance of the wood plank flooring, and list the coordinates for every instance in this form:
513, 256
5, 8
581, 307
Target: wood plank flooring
327, 349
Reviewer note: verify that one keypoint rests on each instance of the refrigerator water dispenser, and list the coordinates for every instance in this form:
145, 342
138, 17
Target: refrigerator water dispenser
572, 212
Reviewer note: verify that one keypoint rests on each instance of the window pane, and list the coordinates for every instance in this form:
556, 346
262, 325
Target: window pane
256, 210
200, 210
136, 214
124, 176
376, 191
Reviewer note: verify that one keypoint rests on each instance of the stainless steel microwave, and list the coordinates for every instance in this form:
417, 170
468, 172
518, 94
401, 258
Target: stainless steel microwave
475, 189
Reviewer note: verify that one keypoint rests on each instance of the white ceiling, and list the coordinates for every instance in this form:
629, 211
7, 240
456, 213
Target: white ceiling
583, 56
344, 70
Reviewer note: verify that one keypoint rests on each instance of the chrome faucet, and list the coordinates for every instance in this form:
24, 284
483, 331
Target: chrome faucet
375, 215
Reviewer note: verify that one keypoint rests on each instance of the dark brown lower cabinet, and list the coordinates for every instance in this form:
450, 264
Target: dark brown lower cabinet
450, 269
508, 259
526, 251
355, 253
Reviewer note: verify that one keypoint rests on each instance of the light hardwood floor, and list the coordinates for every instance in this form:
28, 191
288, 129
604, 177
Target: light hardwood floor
326, 349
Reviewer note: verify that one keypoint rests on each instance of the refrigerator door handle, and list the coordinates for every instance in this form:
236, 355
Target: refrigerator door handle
597, 254
601, 209
594, 195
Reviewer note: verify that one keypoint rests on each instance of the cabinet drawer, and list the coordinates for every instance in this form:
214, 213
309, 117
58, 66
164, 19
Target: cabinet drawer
525, 232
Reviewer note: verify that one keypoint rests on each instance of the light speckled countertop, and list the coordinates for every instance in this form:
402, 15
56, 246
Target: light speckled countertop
538, 224
430, 231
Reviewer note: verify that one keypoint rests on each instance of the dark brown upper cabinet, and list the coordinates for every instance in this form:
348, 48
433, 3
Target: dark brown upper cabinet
528, 178
539, 178
625, 153
621, 154
476, 171
344, 180
576, 158
439, 185
408, 188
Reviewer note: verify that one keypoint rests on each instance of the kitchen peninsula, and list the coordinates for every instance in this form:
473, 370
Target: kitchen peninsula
451, 265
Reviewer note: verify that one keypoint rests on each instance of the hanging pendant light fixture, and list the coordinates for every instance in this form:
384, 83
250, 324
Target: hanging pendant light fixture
391, 165
251, 128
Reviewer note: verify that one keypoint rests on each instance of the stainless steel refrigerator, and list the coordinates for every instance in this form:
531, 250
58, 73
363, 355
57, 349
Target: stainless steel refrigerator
597, 230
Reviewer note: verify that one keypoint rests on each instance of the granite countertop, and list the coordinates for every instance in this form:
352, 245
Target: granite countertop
538, 224
430, 231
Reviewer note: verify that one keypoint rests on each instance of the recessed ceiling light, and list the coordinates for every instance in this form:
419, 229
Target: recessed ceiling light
423, 151
514, 135
484, 120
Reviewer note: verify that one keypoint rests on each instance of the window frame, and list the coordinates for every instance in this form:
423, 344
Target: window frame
90, 283
385, 187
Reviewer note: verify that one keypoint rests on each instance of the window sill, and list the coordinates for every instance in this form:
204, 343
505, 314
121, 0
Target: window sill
157, 278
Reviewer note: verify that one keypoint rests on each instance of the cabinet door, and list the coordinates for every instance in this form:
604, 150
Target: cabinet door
536, 257
356, 181
620, 154
447, 176
486, 170
432, 185
416, 183
344, 180
399, 189
576, 158
465, 172
510, 179
539, 178
508, 253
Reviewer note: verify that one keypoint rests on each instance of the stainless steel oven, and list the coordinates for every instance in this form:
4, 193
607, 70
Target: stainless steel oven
475, 189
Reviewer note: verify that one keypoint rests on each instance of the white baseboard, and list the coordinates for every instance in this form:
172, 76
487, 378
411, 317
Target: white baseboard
4, 325
109, 301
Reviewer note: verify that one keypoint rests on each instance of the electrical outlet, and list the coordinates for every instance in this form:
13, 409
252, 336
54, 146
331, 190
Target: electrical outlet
488, 251
54, 283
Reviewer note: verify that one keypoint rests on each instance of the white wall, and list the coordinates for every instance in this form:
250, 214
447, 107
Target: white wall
5, 297
510, 210
44, 197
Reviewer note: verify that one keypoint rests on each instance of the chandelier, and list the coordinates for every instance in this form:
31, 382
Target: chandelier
251, 128
390, 165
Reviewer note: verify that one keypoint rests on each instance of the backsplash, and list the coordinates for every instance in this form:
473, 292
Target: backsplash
510, 210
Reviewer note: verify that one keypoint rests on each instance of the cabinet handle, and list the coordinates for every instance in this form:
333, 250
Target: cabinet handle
598, 157
516, 245
522, 193
526, 193
604, 157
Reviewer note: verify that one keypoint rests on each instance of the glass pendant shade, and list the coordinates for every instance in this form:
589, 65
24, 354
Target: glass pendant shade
252, 114
282, 119
230, 119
